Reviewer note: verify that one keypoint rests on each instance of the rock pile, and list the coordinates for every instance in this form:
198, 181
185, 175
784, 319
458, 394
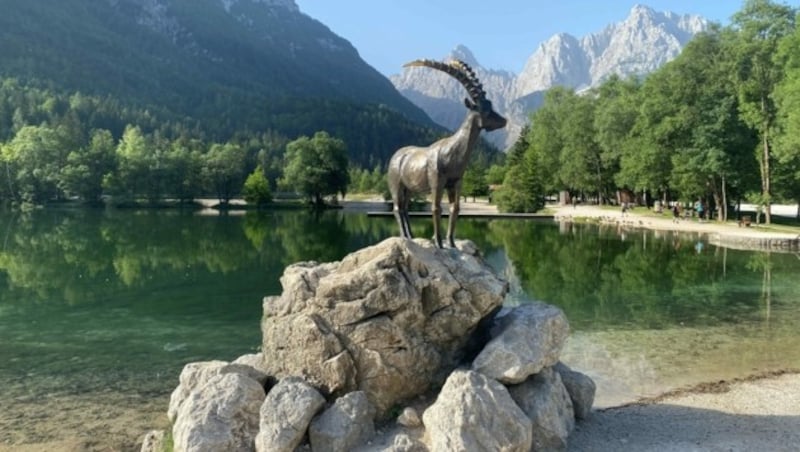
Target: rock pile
365, 340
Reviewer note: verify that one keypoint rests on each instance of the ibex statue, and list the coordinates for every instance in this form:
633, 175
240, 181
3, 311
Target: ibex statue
441, 165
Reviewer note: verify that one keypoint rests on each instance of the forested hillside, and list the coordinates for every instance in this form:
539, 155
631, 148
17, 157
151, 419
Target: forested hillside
185, 75
246, 67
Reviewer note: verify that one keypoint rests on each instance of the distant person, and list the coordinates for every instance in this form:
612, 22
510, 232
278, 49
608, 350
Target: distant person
624, 208
700, 209
676, 213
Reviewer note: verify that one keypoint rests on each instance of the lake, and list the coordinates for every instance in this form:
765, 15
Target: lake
100, 309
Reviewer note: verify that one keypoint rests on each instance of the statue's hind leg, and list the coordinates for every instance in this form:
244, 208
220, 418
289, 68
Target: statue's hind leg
400, 197
406, 223
399, 217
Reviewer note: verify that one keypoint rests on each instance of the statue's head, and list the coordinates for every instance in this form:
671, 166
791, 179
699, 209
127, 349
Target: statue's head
477, 101
490, 119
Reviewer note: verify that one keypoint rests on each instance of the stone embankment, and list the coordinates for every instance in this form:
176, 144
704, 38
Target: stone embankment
397, 347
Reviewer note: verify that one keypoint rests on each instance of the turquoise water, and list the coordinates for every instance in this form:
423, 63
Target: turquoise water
95, 301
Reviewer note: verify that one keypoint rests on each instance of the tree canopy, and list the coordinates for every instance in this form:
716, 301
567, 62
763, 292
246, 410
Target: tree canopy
316, 167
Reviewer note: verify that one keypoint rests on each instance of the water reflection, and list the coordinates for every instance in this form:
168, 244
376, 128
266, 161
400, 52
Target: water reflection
654, 311
94, 299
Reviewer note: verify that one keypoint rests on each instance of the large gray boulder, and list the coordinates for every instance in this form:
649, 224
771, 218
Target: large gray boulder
476, 413
525, 340
390, 320
285, 415
221, 415
581, 389
343, 426
545, 400
195, 375
254, 360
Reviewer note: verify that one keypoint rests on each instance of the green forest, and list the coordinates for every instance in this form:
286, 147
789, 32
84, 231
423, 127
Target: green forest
57, 147
720, 123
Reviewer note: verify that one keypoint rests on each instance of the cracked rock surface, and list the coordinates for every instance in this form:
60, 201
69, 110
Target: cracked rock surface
390, 320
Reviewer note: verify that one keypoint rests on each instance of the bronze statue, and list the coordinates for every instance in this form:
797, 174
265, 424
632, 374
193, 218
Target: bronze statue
441, 165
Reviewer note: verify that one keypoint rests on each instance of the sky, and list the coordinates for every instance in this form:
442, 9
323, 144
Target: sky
502, 34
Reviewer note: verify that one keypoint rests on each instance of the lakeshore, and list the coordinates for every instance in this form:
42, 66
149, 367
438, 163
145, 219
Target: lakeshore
71, 415
730, 234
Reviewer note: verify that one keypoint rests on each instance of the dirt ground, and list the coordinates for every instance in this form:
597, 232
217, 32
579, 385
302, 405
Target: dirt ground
98, 422
756, 414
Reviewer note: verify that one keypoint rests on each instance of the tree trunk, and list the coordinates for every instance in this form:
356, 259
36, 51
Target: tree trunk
765, 175
724, 210
599, 185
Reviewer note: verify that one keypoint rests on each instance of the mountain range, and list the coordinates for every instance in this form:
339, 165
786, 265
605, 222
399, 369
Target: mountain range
641, 43
227, 67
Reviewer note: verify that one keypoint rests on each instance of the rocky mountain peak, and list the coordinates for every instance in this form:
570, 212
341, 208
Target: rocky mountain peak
637, 45
461, 52
641, 13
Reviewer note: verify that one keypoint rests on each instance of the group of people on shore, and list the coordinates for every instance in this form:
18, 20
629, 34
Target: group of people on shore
699, 209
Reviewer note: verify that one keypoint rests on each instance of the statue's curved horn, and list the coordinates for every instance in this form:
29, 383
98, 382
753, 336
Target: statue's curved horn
458, 69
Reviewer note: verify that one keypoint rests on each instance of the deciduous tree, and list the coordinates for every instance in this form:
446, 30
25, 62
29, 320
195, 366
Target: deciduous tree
316, 167
760, 26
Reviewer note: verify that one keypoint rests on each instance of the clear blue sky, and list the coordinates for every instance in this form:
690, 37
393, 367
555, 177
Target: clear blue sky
501, 33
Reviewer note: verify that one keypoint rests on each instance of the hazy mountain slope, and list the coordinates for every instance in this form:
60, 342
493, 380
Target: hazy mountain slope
230, 64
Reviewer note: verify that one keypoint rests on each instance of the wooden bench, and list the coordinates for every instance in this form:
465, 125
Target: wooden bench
745, 221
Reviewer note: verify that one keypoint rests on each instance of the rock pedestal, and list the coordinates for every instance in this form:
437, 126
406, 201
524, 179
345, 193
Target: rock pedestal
356, 341
390, 320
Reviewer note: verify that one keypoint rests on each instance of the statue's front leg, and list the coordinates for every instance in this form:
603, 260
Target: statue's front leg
455, 208
437, 215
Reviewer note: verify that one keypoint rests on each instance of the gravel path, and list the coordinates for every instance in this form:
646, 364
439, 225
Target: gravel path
756, 415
